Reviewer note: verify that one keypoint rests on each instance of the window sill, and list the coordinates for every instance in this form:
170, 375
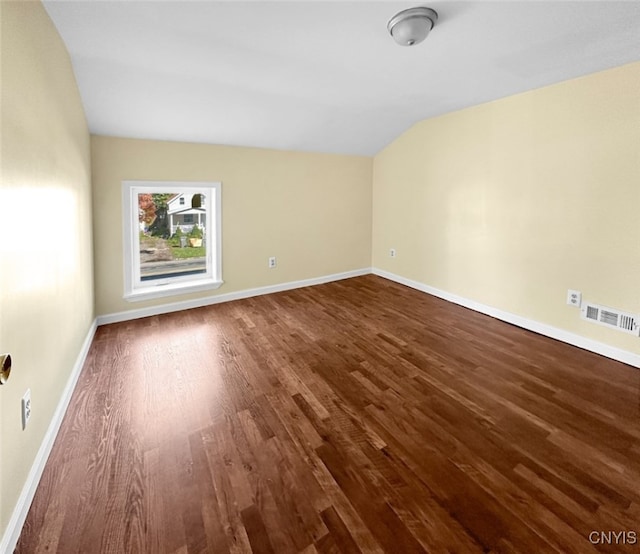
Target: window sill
171, 289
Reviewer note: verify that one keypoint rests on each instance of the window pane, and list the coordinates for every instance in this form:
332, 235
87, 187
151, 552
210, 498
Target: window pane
171, 236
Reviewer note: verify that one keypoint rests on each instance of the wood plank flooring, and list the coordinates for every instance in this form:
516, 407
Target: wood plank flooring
356, 416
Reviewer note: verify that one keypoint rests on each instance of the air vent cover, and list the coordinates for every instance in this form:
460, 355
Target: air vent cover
610, 317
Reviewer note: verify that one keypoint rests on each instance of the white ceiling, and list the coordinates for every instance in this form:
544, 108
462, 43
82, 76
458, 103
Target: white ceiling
321, 76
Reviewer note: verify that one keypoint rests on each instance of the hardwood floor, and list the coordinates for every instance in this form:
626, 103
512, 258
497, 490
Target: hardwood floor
357, 416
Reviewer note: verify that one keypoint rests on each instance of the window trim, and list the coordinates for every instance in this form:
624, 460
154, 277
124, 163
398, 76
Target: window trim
134, 288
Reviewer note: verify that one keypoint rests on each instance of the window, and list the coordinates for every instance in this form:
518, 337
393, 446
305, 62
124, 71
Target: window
172, 238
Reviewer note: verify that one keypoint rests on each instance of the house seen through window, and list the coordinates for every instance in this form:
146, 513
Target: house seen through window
172, 238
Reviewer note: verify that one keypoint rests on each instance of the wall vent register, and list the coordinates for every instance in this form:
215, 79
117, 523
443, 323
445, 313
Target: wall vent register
612, 318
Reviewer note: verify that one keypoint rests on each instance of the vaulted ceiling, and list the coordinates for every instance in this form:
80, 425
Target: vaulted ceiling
321, 76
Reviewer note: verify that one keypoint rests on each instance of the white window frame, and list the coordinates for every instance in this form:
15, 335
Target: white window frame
134, 288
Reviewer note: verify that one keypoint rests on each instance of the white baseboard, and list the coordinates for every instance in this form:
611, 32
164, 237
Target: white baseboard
541, 328
21, 509
217, 299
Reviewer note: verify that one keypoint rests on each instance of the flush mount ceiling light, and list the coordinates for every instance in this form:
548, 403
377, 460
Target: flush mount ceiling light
412, 26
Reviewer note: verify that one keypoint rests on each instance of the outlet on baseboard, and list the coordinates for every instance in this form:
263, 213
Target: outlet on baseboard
26, 408
574, 298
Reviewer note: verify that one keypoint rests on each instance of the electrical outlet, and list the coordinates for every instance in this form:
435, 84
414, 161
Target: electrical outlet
392, 253
272, 262
26, 408
574, 298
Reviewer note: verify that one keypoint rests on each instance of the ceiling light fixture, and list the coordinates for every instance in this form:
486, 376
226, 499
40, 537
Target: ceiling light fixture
412, 26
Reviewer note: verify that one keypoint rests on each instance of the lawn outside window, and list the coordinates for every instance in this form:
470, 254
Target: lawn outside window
172, 244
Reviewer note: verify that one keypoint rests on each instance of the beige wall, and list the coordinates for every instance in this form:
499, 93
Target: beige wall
311, 211
46, 282
513, 202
